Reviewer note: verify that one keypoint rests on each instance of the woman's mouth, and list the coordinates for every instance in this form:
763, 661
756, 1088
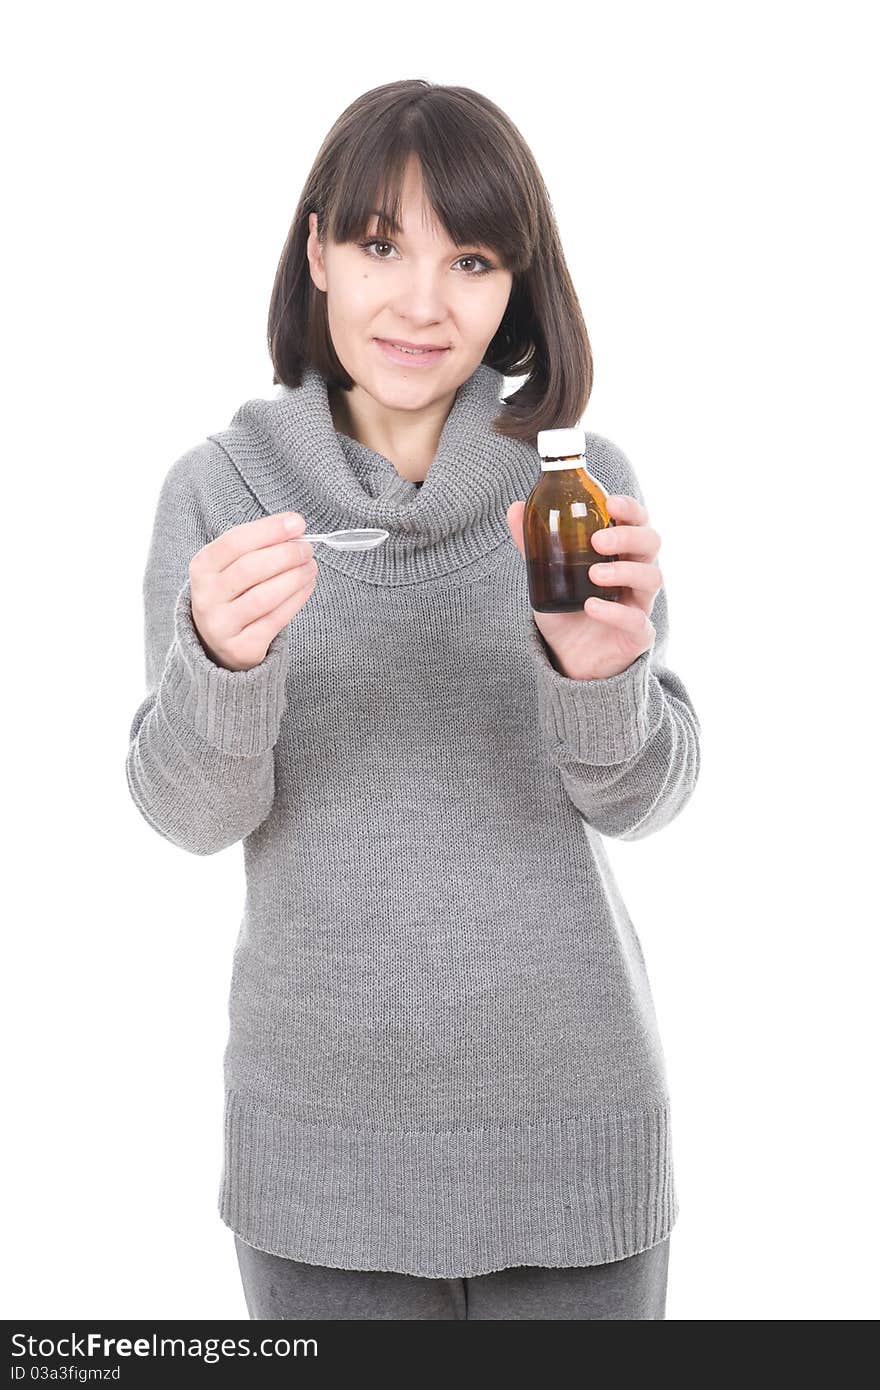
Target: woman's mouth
410, 357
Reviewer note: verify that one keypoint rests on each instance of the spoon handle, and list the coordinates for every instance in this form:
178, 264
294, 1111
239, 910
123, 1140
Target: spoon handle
312, 537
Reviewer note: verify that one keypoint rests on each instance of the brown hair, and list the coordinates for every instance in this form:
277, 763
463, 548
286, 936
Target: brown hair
484, 186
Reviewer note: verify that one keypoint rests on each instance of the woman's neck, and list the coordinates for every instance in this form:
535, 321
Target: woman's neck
412, 454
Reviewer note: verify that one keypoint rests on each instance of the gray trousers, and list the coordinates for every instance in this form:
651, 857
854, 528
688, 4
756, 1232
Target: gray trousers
632, 1288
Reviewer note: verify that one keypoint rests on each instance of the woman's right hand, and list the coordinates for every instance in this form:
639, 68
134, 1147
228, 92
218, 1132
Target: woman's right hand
247, 584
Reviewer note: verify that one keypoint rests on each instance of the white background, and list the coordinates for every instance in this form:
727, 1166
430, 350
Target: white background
711, 168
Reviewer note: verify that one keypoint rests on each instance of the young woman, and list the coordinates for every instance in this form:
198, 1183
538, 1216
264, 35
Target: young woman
445, 1091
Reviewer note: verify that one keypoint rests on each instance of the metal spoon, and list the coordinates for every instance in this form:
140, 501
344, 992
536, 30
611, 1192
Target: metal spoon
363, 538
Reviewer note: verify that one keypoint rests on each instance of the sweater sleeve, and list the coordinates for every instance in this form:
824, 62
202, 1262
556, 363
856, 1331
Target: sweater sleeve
628, 746
200, 762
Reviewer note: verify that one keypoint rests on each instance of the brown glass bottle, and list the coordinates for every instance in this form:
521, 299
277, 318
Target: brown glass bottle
563, 510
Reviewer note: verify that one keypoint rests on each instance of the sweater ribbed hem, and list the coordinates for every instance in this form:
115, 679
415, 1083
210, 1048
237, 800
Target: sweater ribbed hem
238, 712
556, 1194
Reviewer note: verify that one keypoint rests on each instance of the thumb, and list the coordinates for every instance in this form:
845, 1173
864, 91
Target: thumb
515, 523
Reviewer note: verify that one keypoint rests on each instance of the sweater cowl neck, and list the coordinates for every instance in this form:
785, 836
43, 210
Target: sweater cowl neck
292, 458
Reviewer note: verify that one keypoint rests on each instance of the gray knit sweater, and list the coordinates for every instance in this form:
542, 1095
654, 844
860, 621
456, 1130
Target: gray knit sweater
443, 1055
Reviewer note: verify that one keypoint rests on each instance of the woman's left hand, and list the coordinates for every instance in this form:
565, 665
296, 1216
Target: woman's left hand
607, 636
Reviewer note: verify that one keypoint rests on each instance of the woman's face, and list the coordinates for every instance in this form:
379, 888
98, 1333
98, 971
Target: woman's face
415, 288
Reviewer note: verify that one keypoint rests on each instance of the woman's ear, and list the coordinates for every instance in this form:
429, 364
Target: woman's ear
315, 254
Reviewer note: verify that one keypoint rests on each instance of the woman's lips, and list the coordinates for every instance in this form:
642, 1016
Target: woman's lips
410, 359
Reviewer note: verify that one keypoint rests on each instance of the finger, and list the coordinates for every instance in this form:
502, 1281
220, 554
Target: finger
632, 620
249, 535
630, 542
646, 579
258, 565
515, 513
627, 508
261, 600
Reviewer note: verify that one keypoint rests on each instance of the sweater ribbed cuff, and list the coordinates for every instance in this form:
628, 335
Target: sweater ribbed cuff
600, 722
237, 712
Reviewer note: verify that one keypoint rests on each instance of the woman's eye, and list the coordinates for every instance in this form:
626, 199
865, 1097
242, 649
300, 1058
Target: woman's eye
377, 243
485, 266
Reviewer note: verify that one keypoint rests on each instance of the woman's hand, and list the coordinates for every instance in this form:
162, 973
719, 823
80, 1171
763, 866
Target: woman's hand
607, 636
246, 585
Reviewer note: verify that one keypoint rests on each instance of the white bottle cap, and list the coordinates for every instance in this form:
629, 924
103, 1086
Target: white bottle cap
557, 445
